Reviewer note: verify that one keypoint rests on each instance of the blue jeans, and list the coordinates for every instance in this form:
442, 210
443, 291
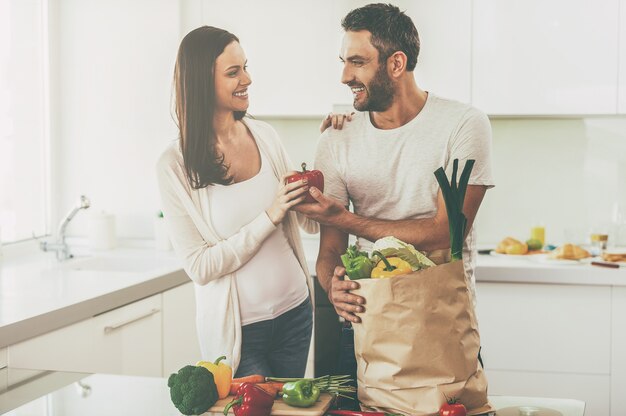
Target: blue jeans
277, 347
347, 365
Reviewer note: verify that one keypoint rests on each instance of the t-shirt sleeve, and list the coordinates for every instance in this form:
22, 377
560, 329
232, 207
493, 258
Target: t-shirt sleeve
326, 161
473, 141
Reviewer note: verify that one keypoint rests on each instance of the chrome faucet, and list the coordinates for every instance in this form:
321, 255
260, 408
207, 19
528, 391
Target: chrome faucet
60, 246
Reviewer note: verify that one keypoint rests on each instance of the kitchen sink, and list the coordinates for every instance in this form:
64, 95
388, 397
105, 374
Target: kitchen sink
115, 264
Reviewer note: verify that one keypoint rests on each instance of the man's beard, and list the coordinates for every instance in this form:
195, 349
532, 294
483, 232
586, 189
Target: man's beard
380, 93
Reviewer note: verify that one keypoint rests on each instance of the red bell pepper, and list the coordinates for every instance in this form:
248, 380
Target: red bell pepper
251, 400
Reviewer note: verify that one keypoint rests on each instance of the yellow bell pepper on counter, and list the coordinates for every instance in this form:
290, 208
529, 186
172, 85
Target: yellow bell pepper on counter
222, 374
389, 267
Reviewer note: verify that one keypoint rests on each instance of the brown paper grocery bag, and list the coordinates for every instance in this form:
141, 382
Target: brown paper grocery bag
418, 340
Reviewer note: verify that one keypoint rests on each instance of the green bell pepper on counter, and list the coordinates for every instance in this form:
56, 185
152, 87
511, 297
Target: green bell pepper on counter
357, 263
302, 393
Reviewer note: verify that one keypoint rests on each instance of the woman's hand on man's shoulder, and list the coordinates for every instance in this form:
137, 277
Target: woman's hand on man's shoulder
335, 120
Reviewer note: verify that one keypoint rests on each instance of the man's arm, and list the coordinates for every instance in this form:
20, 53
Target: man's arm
333, 244
425, 234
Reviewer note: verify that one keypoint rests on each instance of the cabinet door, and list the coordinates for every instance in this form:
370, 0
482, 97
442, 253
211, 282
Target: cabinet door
3, 357
444, 62
538, 57
591, 388
292, 49
180, 341
618, 356
124, 341
545, 328
621, 82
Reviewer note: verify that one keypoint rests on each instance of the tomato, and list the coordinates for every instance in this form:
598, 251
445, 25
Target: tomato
452, 408
314, 177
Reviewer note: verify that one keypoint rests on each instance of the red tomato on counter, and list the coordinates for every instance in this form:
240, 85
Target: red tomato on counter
315, 178
452, 408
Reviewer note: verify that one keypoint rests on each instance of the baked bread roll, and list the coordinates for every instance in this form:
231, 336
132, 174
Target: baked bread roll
614, 257
511, 246
569, 252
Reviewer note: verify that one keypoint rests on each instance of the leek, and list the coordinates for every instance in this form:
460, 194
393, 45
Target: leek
453, 196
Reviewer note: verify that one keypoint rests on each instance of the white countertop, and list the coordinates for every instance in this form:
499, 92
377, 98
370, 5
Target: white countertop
38, 294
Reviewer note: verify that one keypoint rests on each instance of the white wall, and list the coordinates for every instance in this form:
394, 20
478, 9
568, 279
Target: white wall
567, 173
112, 69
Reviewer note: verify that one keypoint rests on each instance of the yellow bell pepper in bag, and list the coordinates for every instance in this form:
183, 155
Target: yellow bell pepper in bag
389, 267
222, 374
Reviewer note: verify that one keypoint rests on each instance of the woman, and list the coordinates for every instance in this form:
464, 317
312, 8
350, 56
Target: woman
239, 241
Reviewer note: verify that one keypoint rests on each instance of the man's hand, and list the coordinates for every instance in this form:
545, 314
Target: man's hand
345, 303
326, 210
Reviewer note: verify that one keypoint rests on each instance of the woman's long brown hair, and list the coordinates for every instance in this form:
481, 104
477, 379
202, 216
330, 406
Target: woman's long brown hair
194, 86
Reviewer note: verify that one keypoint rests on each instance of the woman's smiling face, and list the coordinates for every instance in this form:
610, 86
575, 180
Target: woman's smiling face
231, 79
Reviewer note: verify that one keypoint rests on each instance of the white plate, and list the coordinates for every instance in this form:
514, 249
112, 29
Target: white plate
544, 259
515, 256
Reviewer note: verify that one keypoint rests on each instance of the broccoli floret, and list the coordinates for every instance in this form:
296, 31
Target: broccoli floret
192, 390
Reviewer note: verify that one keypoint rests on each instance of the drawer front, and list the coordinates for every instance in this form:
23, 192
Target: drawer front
123, 341
3, 357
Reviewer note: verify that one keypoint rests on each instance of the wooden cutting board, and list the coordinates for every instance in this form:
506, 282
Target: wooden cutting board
281, 408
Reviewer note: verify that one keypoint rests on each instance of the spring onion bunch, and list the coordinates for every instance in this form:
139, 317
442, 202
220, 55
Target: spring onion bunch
338, 385
453, 196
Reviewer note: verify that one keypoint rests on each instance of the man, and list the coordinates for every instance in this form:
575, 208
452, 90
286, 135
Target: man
383, 160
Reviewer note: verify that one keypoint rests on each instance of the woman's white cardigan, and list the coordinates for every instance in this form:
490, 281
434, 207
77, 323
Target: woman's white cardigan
211, 262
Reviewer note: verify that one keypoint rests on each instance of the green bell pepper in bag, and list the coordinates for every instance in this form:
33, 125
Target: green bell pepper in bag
357, 263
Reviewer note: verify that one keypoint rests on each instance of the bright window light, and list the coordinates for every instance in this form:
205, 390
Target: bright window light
24, 123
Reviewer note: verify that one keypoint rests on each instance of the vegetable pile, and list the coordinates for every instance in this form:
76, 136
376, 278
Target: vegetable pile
391, 257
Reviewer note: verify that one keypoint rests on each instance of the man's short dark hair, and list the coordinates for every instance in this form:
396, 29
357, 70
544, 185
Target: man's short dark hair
391, 30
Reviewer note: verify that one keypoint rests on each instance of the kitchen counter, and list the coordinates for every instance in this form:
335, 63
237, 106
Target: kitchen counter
72, 394
38, 294
520, 269
526, 269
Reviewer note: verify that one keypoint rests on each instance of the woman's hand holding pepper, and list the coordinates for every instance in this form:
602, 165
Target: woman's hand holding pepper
287, 196
345, 303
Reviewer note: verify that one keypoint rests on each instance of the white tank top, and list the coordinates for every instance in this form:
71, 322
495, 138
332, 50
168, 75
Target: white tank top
272, 282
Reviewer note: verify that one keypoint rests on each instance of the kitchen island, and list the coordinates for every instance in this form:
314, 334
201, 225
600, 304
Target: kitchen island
47, 393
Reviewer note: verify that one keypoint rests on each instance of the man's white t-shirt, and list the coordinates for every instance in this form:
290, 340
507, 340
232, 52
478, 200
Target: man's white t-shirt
389, 174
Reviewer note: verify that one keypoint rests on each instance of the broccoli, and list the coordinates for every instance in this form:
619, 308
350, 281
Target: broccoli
192, 390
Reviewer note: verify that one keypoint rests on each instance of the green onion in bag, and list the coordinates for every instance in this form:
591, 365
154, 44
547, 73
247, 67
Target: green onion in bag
454, 196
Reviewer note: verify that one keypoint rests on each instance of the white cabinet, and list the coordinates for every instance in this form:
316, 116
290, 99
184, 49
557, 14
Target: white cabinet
618, 352
621, 104
444, 62
592, 389
538, 57
180, 340
124, 341
547, 341
3, 357
292, 49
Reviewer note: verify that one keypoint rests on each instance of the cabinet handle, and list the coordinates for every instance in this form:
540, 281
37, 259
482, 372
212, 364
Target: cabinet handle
113, 327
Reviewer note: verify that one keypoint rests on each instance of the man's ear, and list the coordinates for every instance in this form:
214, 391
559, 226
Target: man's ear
397, 64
